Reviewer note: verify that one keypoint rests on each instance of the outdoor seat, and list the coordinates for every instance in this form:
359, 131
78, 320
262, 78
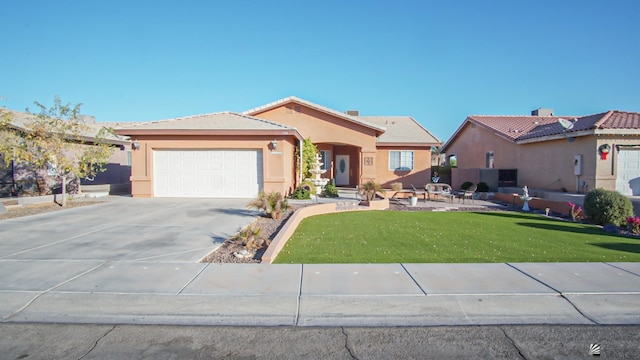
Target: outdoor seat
467, 194
439, 190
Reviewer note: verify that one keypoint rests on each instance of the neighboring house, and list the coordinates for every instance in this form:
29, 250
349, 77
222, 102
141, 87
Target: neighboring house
237, 155
543, 151
20, 179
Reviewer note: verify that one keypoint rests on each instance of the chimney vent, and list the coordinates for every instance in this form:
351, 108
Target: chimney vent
353, 112
542, 112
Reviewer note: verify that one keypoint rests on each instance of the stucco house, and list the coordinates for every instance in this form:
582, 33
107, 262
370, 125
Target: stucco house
230, 154
544, 151
21, 180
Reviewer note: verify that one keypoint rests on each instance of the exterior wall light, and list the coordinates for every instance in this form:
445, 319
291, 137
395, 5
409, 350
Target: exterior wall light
135, 145
274, 144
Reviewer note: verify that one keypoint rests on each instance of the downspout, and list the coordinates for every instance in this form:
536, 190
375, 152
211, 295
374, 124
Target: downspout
300, 164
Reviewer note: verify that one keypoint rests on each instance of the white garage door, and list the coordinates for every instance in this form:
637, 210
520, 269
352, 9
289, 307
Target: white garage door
628, 176
207, 173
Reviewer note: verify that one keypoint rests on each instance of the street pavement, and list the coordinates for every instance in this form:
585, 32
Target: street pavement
128, 269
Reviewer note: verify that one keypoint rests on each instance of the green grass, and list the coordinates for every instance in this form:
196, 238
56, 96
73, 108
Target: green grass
451, 237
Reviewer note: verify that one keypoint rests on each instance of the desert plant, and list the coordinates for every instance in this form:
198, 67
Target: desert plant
370, 188
310, 186
465, 185
604, 207
273, 204
249, 237
301, 193
396, 186
330, 190
482, 187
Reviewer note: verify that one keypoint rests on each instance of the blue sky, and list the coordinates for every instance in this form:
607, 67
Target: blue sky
437, 61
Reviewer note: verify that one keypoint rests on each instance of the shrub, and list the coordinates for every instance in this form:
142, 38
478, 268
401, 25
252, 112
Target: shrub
482, 187
250, 238
301, 193
576, 212
465, 185
396, 186
273, 204
607, 207
633, 224
370, 188
330, 190
311, 187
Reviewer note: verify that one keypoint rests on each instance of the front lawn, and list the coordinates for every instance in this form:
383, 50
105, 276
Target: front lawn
451, 237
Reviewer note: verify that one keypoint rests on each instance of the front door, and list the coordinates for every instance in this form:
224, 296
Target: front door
342, 170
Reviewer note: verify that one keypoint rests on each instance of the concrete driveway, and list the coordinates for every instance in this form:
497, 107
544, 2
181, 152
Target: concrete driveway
126, 229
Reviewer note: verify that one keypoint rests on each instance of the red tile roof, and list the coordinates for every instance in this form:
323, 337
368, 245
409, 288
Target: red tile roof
528, 127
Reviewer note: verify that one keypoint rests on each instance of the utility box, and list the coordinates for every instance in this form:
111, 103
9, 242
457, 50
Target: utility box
577, 165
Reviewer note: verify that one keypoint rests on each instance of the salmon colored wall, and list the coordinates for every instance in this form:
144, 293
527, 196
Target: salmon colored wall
278, 167
330, 130
340, 136
418, 177
543, 165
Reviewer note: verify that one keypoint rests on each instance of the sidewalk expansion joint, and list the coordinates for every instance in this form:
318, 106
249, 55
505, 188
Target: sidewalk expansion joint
17, 312
621, 269
414, 280
297, 318
557, 291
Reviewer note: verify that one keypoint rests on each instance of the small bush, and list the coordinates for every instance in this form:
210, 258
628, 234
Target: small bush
311, 187
604, 207
330, 190
482, 187
273, 204
301, 193
633, 225
370, 188
250, 238
465, 185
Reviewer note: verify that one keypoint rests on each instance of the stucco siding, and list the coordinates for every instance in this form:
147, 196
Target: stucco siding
278, 166
418, 176
328, 130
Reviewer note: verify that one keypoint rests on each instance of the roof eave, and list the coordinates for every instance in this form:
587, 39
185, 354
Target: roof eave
193, 132
252, 112
560, 136
408, 144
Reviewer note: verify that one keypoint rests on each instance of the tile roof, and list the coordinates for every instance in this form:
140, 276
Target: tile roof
402, 129
354, 119
212, 121
530, 127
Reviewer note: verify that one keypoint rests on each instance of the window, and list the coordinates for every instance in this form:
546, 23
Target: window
401, 160
489, 159
453, 161
326, 159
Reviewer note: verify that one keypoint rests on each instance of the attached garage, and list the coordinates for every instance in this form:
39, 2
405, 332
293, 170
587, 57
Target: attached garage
207, 173
628, 175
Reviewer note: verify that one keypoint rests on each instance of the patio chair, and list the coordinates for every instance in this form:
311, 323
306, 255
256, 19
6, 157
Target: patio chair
439, 190
468, 194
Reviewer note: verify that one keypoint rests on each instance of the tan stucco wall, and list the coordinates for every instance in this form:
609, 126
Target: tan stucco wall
418, 177
278, 167
328, 132
544, 165
607, 169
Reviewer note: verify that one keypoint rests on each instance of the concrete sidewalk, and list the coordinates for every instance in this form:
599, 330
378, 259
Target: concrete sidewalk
187, 293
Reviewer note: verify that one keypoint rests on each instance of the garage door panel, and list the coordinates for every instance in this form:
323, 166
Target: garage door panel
628, 172
207, 173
